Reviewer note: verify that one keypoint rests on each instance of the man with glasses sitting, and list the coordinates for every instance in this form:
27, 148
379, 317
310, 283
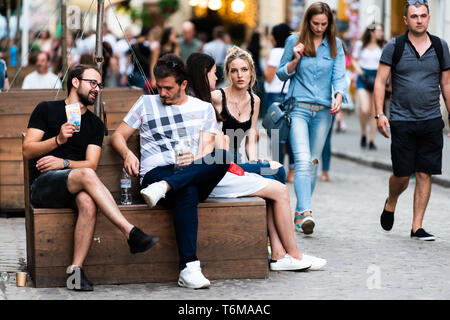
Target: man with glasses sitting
63, 168
420, 67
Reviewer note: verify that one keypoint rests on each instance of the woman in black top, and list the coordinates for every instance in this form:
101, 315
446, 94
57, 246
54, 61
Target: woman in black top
285, 253
237, 104
239, 107
169, 42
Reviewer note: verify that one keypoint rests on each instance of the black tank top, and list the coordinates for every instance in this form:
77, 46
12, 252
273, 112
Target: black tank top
232, 125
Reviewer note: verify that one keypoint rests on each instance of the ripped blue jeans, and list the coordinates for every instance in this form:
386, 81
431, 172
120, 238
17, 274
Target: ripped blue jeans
309, 131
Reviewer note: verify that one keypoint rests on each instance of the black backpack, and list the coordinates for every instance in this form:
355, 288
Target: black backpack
400, 42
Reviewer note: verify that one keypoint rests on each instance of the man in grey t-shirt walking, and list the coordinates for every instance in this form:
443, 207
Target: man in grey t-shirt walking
420, 64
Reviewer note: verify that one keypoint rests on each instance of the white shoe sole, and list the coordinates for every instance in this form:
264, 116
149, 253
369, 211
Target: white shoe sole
275, 267
289, 269
308, 226
424, 239
181, 283
298, 229
318, 266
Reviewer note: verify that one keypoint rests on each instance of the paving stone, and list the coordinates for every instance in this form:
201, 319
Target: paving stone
363, 262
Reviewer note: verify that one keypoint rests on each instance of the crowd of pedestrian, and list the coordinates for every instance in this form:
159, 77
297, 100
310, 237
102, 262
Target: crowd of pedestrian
215, 84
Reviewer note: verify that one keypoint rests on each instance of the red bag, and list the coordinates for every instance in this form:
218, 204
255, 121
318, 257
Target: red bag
235, 169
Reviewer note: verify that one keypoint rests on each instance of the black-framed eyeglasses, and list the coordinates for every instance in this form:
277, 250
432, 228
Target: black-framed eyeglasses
94, 83
413, 2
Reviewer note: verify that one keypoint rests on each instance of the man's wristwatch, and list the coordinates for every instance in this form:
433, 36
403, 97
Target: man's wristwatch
66, 164
378, 116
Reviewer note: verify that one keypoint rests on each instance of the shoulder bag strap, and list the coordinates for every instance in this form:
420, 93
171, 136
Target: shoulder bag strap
399, 47
437, 44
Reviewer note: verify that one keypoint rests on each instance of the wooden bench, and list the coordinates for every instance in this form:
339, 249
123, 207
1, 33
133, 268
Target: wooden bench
15, 110
232, 237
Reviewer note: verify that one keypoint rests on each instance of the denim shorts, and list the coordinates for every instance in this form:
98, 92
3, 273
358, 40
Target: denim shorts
50, 190
368, 73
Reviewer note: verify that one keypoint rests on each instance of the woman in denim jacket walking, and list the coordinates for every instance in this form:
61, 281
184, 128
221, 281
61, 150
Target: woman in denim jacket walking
314, 61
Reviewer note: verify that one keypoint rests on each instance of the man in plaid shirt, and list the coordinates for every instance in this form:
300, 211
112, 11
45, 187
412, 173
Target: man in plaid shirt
165, 120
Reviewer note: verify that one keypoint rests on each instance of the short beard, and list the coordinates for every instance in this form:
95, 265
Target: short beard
175, 98
84, 99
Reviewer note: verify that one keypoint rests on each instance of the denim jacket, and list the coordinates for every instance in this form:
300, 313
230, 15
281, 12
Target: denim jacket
318, 75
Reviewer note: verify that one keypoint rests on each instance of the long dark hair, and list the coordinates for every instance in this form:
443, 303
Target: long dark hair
254, 47
198, 66
280, 33
306, 35
165, 38
368, 33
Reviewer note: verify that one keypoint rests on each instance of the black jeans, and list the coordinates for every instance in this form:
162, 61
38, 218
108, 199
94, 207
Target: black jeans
190, 185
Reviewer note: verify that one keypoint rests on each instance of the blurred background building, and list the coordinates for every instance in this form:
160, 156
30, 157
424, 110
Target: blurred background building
237, 15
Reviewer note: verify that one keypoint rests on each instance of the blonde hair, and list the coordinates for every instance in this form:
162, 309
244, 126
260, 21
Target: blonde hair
238, 53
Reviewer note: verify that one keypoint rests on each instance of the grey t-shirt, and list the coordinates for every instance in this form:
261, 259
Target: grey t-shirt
415, 82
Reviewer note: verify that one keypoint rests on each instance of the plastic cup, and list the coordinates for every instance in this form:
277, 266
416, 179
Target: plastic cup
21, 279
73, 113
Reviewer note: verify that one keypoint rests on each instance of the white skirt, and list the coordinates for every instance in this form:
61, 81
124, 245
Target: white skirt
234, 186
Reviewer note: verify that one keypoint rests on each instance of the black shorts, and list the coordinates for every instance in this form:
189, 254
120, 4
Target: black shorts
417, 147
49, 190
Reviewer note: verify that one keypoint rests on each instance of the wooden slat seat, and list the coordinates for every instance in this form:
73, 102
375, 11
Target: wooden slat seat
15, 110
232, 237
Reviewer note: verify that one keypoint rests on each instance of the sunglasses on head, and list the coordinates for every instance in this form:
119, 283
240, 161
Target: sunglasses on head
413, 2
171, 64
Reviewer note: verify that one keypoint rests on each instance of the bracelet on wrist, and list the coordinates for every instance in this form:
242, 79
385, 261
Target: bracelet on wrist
56, 140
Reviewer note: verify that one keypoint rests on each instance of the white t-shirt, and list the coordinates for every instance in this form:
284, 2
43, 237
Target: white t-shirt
274, 61
367, 59
120, 49
41, 81
161, 127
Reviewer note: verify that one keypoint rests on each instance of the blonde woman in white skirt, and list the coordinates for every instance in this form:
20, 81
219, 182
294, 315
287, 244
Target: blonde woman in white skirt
286, 256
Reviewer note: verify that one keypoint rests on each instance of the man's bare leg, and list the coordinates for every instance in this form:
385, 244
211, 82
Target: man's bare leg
84, 228
396, 187
86, 179
422, 194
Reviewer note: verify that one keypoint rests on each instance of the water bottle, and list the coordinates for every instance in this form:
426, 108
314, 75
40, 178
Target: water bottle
181, 146
125, 188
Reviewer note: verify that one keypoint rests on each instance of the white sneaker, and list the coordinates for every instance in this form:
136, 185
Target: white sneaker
316, 263
288, 263
154, 192
192, 276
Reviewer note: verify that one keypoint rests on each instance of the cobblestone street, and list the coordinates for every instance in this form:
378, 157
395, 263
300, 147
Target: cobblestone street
363, 262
